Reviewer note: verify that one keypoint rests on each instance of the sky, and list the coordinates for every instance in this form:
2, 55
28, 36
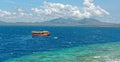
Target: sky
45, 10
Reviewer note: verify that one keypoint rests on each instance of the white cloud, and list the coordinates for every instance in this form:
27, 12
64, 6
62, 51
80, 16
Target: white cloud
22, 13
55, 10
4, 13
18, 16
19, 13
51, 10
93, 10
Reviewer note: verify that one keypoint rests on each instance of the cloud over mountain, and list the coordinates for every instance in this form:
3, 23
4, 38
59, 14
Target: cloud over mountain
91, 10
56, 10
51, 10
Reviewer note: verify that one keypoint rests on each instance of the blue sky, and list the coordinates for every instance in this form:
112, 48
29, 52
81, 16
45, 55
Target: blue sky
23, 7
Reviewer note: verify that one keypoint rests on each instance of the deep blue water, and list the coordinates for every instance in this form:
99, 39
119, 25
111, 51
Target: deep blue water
16, 41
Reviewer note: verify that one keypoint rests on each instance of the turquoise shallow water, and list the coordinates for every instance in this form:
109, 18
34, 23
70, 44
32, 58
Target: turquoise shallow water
107, 52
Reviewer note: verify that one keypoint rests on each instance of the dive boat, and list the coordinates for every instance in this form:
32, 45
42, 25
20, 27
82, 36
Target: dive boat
40, 33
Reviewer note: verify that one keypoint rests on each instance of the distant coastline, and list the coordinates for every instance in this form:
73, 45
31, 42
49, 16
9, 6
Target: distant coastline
79, 25
86, 22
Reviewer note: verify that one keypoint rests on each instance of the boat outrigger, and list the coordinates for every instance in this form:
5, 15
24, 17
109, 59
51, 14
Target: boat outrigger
40, 33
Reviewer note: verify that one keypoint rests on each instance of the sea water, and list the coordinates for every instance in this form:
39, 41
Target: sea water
65, 44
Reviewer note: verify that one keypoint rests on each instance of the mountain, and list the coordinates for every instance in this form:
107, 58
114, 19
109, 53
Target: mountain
91, 21
64, 22
2, 23
69, 21
60, 21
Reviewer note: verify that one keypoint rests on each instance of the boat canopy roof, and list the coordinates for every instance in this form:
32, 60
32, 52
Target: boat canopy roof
38, 31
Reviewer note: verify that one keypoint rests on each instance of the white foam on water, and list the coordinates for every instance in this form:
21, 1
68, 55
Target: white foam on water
97, 57
110, 60
55, 37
